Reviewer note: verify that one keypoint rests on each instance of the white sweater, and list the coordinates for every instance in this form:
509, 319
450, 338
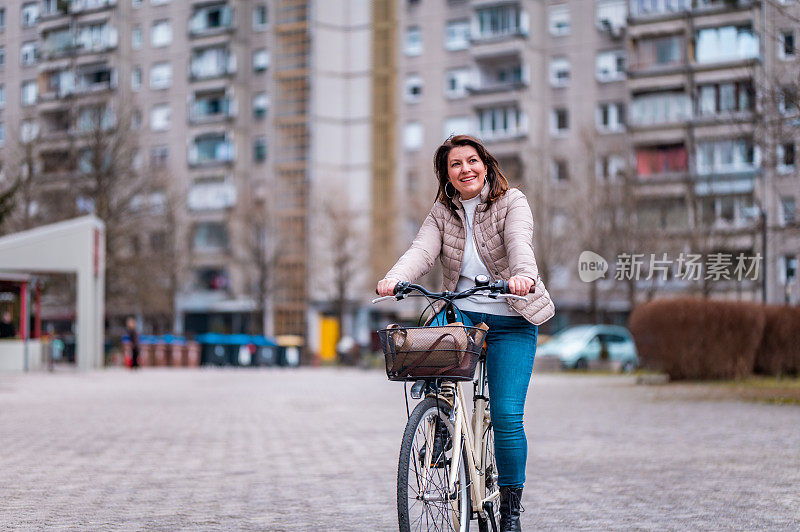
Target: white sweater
473, 266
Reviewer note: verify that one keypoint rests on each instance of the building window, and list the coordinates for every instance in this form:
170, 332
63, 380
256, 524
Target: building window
211, 17
2, 96
161, 33
727, 43
722, 156
160, 76
501, 21
412, 45
559, 121
210, 236
787, 100
28, 53
30, 14
609, 167
260, 149
260, 105
211, 148
660, 108
2, 18
502, 122
725, 98
412, 92
786, 46
788, 270
136, 78
559, 22
663, 159
2, 134
260, 19
456, 82
658, 52
643, 8
559, 170
413, 135
136, 119
159, 2
136, 4
2, 56
786, 157
159, 157
610, 66
456, 35
136, 37
212, 62
610, 15
457, 125
160, 116
788, 210
559, 72
29, 92
260, 60
610, 117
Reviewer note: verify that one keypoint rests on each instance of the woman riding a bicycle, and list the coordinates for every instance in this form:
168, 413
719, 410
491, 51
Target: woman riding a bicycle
480, 226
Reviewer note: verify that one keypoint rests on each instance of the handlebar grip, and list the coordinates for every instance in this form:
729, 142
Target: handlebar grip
502, 287
400, 287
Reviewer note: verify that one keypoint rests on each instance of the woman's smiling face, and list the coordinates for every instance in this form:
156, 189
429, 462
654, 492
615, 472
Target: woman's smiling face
466, 171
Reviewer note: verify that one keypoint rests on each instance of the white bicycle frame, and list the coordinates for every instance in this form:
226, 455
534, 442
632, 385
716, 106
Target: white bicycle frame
469, 432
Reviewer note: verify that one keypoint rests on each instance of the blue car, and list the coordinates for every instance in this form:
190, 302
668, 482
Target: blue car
577, 346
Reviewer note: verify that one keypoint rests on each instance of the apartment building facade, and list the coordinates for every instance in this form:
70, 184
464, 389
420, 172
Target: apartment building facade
223, 99
607, 107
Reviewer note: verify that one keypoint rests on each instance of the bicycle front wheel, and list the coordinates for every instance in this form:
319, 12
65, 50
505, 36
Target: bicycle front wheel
427, 456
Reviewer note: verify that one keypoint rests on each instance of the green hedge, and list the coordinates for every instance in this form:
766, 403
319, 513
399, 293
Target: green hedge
692, 338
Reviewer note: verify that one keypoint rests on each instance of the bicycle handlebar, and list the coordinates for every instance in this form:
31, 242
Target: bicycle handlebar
498, 289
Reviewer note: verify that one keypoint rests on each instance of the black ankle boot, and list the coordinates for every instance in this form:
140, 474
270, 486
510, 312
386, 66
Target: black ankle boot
510, 499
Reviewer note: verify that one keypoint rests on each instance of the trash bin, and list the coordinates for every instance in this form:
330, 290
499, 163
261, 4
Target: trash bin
266, 351
159, 352
192, 354
176, 350
289, 350
214, 349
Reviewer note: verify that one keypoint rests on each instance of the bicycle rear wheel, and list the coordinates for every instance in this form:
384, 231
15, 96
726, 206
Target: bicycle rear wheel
427, 455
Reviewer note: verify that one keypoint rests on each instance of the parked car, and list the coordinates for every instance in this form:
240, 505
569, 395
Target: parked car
577, 346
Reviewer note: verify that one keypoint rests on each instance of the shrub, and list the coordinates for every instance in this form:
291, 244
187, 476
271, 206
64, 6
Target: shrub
779, 352
691, 338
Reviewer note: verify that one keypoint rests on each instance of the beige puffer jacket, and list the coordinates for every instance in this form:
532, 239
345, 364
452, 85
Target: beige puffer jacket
504, 240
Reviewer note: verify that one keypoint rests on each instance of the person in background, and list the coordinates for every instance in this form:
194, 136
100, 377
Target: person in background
133, 335
7, 329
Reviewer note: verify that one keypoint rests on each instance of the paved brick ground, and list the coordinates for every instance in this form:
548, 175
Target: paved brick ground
316, 450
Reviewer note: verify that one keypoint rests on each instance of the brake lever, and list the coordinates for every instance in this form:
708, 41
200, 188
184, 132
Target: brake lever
510, 296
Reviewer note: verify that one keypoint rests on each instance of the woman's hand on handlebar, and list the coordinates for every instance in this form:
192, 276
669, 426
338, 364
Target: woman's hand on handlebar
520, 285
386, 286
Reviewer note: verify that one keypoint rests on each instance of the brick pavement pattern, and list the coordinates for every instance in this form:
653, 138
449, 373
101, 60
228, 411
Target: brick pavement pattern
279, 449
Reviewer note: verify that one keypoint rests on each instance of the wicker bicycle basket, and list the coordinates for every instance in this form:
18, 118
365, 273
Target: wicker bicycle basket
448, 351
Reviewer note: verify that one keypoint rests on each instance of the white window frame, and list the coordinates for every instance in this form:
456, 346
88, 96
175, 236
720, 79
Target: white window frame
136, 78
166, 82
463, 77
29, 14
616, 119
614, 74
413, 47
612, 11
161, 33
557, 65
261, 60
24, 92
260, 105
458, 125
413, 136
2, 96
457, 35
160, 117
413, 81
782, 204
28, 53
780, 152
137, 39
257, 25
555, 16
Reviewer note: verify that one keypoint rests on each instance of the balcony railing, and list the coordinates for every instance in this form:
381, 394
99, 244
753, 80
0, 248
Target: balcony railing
211, 152
204, 69
211, 20
208, 110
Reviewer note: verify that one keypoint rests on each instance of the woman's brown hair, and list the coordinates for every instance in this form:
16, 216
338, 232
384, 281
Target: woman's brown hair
498, 184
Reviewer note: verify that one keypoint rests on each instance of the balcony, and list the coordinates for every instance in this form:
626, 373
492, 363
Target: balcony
722, 183
211, 20
502, 123
211, 196
59, 8
90, 79
499, 23
211, 150
212, 63
642, 11
211, 108
89, 39
496, 76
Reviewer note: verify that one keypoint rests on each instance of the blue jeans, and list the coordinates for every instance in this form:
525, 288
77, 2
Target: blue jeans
511, 347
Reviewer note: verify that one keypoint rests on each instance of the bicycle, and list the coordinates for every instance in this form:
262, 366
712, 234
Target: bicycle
447, 473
